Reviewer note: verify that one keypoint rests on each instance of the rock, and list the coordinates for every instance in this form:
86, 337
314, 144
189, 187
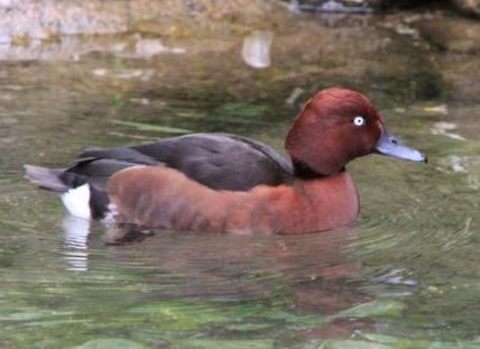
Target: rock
25, 20
187, 17
299, 53
37, 19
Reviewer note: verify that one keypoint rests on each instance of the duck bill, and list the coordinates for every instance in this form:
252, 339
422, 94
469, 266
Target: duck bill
388, 145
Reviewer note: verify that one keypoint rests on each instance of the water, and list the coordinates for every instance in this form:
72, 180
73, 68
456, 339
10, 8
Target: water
405, 276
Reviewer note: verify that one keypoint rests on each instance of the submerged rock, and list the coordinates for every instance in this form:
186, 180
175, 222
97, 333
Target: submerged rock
455, 46
458, 35
470, 7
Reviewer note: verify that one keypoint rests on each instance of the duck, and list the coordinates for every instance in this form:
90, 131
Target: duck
226, 183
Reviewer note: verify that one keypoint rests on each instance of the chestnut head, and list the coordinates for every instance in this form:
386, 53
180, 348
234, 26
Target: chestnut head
336, 126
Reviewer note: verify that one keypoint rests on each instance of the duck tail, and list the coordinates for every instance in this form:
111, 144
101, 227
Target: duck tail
46, 178
81, 198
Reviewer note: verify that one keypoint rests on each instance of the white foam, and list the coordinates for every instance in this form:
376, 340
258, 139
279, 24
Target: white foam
112, 212
77, 201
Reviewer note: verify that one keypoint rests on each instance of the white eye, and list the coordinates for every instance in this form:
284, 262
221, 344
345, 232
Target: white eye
359, 121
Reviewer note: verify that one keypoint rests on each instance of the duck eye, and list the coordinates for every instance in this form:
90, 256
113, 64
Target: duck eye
359, 121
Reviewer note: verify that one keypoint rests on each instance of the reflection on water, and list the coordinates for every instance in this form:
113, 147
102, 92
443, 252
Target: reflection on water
406, 276
76, 232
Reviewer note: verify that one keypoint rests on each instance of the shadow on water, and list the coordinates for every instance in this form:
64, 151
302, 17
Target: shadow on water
406, 276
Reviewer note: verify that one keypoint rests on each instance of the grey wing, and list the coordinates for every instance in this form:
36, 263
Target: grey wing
221, 161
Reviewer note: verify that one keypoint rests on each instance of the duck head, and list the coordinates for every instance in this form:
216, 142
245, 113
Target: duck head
336, 126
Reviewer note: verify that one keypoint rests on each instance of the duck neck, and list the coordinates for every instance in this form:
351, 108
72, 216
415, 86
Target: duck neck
305, 172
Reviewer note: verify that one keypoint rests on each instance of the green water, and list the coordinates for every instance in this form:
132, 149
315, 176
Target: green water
405, 276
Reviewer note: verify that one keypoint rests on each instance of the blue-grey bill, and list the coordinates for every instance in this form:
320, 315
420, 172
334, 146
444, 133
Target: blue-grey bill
388, 145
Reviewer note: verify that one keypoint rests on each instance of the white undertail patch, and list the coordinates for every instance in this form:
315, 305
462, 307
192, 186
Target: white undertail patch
77, 201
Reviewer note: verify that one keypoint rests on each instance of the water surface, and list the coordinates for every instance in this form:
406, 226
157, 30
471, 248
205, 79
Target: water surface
405, 276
